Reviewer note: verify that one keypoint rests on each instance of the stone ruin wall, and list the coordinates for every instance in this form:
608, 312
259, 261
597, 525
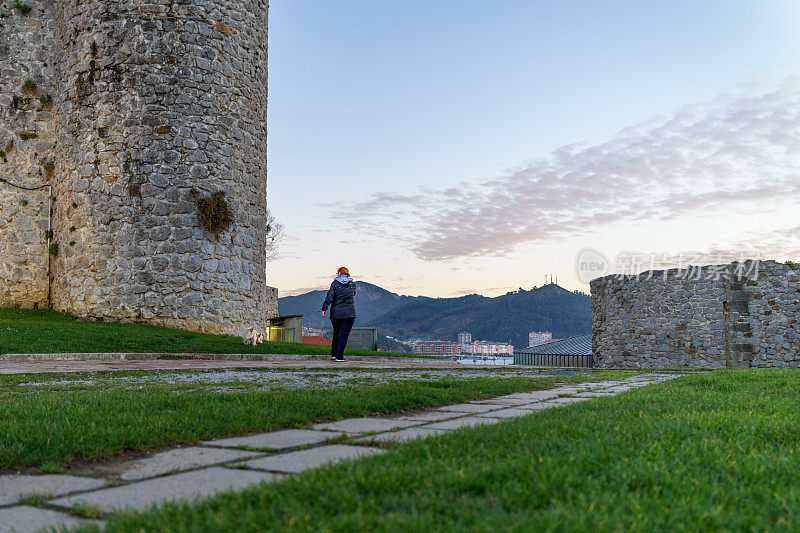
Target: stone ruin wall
27, 137
663, 319
151, 101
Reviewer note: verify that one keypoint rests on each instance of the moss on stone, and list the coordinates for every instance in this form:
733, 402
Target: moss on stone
23, 9
30, 87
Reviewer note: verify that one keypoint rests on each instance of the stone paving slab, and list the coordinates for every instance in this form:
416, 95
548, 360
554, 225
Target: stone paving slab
181, 459
26, 519
534, 396
617, 390
432, 416
537, 406
501, 402
595, 386
469, 407
402, 435
356, 426
177, 487
506, 413
299, 461
13, 487
277, 440
567, 390
458, 423
566, 400
593, 394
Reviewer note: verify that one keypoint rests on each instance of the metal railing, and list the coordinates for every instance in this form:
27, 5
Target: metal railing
363, 339
280, 334
541, 359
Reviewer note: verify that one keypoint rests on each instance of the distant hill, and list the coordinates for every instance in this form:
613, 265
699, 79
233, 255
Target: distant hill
371, 302
506, 318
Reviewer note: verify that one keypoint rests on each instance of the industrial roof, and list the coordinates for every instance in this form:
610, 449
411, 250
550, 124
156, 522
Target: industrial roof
579, 345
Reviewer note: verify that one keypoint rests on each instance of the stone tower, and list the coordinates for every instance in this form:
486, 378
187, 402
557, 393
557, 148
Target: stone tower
134, 109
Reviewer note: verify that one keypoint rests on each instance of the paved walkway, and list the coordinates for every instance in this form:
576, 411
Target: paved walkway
235, 463
41, 363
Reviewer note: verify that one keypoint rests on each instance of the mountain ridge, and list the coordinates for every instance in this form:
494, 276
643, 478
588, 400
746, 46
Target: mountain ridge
505, 318
371, 302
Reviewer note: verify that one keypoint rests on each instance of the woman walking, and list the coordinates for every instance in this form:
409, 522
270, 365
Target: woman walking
341, 300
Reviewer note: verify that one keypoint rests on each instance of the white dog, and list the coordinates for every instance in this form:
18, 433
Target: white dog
253, 336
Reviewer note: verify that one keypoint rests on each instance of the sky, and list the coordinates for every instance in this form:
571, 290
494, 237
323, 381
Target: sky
445, 147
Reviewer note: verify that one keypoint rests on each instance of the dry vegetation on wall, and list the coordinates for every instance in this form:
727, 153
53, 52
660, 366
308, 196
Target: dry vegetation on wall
213, 212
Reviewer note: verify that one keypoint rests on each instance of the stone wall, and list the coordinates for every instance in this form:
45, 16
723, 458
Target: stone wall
27, 142
153, 101
23, 247
740, 314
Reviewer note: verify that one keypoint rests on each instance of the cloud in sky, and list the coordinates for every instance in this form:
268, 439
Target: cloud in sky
737, 150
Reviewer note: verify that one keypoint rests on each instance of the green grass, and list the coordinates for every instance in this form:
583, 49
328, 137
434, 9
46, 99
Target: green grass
34, 500
49, 426
85, 510
47, 331
707, 452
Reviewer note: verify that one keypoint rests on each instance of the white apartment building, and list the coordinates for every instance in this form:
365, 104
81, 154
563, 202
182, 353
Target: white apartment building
489, 348
536, 338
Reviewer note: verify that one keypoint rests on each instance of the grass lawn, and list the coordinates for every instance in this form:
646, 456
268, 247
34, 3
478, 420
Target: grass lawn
707, 452
61, 420
47, 331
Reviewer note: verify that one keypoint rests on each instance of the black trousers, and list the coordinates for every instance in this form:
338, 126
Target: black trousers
341, 330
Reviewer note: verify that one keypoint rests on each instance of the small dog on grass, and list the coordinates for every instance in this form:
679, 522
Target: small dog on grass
254, 336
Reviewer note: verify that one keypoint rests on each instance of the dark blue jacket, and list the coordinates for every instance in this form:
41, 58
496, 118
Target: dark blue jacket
341, 299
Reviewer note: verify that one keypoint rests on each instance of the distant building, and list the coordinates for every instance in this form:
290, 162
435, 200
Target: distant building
536, 338
571, 352
490, 348
464, 339
426, 347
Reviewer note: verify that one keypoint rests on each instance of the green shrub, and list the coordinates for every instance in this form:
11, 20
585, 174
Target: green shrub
49, 167
29, 87
24, 9
53, 249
